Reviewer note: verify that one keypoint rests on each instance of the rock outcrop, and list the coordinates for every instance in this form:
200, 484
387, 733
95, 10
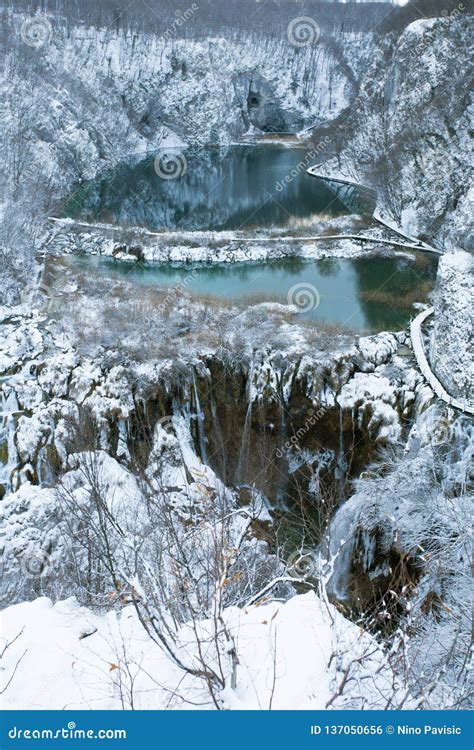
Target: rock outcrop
451, 345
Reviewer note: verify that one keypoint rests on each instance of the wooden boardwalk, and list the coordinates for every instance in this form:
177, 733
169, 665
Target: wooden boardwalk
416, 334
415, 243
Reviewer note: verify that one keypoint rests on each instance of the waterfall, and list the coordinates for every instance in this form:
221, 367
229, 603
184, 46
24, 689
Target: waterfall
8, 452
282, 491
244, 444
200, 422
122, 445
341, 466
340, 543
219, 452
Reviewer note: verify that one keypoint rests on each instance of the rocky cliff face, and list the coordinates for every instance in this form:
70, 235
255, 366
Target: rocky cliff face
429, 117
283, 423
251, 412
313, 413
396, 107
451, 350
408, 136
101, 95
407, 132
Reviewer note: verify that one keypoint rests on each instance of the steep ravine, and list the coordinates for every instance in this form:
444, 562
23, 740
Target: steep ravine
269, 401
408, 136
290, 425
401, 522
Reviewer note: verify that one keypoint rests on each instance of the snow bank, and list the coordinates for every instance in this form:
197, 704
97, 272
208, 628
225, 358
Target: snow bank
292, 656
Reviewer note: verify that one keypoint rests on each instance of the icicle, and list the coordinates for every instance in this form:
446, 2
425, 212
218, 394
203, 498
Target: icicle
245, 444
9, 406
122, 446
282, 490
341, 460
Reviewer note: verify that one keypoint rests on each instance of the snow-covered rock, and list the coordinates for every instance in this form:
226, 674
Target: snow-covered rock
407, 134
451, 350
118, 94
403, 539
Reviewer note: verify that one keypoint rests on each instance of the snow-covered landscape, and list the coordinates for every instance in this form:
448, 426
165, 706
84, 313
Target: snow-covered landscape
236, 362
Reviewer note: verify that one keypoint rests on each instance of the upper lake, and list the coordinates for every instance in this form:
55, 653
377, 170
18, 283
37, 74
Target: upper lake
241, 187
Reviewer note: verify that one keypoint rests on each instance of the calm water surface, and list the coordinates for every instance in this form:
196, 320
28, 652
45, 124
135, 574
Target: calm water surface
244, 186
364, 294
250, 186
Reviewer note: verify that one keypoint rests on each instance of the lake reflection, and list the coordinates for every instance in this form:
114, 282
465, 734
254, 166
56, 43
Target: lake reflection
364, 294
241, 187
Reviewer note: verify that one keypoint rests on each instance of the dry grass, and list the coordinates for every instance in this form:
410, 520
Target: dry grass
423, 260
212, 301
399, 300
326, 335
258, 298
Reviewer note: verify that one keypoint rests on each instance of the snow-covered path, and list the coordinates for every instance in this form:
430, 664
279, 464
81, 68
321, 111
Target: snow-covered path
415, 326
424, 365
416, 243
194, 235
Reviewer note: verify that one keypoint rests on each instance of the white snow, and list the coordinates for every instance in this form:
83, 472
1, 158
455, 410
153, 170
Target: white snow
291, 655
